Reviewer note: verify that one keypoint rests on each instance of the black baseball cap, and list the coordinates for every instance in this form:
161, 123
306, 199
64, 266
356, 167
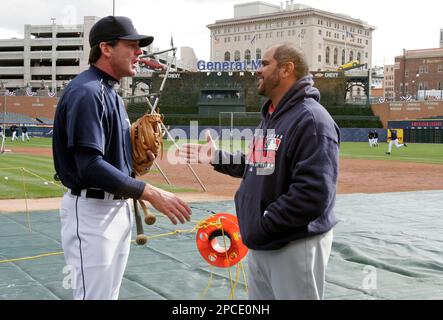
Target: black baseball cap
116, 28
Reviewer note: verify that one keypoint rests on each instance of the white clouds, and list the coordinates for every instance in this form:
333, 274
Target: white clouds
406, 24
8, 33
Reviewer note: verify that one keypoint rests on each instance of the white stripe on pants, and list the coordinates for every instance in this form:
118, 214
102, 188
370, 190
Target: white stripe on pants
96, 238
295, 272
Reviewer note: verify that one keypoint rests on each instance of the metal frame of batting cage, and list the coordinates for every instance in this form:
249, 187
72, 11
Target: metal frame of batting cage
149, 218
153, 109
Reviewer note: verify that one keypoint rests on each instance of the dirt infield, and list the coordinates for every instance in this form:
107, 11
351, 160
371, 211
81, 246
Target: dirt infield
356, 176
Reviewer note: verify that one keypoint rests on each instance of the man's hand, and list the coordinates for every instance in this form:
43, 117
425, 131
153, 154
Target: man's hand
167, 203
199, 153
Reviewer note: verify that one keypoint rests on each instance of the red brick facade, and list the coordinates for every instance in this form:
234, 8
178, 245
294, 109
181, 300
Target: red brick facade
418, 70
34, 107
407, 110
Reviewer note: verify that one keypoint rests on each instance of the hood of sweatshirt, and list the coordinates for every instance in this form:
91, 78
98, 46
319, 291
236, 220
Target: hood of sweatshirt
302, 89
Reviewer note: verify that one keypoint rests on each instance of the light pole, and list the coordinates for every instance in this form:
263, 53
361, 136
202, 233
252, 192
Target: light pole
113, 7
414, 87
416, 83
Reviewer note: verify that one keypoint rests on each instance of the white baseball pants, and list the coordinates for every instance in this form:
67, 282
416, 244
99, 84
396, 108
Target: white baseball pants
96, 238
395, 143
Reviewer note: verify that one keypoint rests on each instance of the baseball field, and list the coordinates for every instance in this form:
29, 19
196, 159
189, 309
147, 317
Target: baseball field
26, 170
387, 244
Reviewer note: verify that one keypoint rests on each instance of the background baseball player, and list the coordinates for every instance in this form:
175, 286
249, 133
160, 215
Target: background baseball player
394, 141
92, 157
13, 129
371, 138
375, 139
25, 133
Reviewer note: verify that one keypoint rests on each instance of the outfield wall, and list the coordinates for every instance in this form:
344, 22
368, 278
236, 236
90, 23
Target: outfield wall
347, 134
407, 110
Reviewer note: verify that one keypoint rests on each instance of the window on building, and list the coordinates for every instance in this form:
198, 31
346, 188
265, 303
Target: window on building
327, 55
343, 56
258, 54
406, 73
237, 55
367, 42
248, 55
359, 56
351, 55
439, 86
319, 32
227, 56
335, 56
319, 58
440, 68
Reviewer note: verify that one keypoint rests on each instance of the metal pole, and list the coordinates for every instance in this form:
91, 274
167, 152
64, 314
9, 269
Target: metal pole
176, 145
162, 173
113, 7
231, 138
2, 150
153, 111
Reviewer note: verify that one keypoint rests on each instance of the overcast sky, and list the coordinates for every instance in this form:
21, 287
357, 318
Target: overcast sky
400, 24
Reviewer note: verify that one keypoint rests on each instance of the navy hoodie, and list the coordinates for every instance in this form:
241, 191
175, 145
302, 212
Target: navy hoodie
290, 175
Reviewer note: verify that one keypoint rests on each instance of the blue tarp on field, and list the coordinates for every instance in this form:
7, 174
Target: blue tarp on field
386, 246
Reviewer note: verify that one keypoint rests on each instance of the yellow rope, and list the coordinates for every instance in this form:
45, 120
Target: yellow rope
231, 294
31, 173
42, 178
244, 276
200, 225
32, 258
205, 292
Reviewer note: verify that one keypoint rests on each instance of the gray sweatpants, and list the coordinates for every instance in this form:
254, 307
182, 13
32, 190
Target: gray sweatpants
295, 272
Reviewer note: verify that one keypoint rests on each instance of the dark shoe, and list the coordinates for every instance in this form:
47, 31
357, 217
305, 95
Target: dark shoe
405, 144
388, 153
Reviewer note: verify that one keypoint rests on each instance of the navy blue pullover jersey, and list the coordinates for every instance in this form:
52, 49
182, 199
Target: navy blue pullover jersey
91, 115
289, 181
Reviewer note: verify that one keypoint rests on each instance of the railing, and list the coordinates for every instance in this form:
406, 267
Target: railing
221, 101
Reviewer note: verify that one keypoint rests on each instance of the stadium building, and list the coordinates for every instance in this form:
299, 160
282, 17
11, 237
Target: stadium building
328, 39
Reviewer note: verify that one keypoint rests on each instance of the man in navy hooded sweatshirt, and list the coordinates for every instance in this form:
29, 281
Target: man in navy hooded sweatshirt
286, 198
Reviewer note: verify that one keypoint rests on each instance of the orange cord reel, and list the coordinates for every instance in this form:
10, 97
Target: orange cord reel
210, 248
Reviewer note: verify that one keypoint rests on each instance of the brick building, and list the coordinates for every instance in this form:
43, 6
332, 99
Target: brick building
417, 70
389, 82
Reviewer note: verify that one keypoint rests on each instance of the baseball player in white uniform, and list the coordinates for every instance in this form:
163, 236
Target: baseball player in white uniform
92, 157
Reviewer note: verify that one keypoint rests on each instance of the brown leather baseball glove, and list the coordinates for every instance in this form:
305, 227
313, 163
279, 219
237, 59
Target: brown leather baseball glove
146, 135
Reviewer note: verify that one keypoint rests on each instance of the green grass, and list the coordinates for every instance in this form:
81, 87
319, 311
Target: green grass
39, 183
173, 189
34, 182
414, 152
36, 142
